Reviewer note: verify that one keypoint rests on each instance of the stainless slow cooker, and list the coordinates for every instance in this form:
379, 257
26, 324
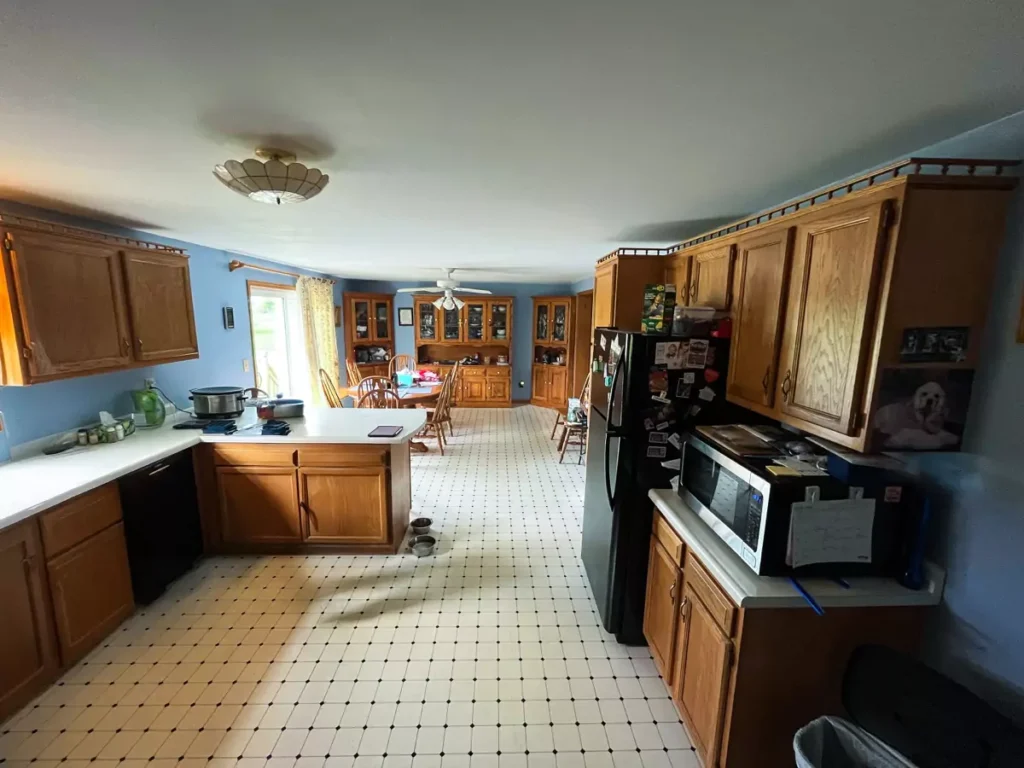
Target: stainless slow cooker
218, 402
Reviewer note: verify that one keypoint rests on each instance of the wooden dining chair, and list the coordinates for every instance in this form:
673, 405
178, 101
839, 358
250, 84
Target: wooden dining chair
451, 382
575, 429
354, 376
330, 391
401, 363
370, 383
560, 418
435, 423
380, 398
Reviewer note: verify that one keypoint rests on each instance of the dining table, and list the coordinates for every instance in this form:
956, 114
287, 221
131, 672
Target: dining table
423, 394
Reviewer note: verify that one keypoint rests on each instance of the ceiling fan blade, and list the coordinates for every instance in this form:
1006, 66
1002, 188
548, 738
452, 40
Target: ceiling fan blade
424, 289
471, 290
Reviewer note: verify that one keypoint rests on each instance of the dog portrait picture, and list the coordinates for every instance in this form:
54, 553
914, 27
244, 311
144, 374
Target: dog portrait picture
923, 409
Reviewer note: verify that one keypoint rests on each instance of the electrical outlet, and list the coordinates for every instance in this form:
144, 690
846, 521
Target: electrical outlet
245, 364
522, 384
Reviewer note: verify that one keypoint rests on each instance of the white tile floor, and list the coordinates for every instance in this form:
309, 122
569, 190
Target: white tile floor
488, 654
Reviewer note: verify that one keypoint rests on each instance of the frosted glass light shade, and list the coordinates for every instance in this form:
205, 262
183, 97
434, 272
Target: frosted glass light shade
271, 181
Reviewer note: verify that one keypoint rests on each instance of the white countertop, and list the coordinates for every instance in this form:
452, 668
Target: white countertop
39, 482
748, 590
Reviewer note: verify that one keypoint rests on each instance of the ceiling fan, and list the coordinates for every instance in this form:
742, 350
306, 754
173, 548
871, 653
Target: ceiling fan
449, 300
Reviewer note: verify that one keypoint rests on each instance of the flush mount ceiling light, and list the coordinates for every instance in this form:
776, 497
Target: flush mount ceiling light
275, 178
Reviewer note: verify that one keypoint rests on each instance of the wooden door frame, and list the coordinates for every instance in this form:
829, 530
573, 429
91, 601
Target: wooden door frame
581, 344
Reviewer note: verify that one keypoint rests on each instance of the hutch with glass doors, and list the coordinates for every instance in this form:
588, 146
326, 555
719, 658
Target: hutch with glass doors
478, 333
552, 350
369, 332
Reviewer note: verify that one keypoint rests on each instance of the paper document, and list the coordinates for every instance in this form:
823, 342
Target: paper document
804, 468
836, 531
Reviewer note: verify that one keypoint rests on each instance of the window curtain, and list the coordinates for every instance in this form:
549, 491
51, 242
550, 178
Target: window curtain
316, 300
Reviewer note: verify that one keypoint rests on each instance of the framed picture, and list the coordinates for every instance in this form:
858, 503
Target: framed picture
405, 315
337, 316
922, 409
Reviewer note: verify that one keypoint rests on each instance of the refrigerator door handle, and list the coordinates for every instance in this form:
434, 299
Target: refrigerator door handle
613, 428
607, 477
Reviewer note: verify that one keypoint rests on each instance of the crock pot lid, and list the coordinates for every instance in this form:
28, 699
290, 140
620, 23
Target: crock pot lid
217, 391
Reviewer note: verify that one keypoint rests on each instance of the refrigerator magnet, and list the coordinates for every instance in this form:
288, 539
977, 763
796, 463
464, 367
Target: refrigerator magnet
660, 398
661, 353
706, 393
689, 377
662, 426
673, 360
697, 355
684, 390
658, 381
711, 375
659, 438
656, 451
648, 424
675, 441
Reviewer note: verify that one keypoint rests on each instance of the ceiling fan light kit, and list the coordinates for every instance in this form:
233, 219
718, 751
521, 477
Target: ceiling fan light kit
447, 286
449, 302
275, 178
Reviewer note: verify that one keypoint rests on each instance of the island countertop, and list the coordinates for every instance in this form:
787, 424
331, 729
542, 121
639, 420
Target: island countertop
38, 482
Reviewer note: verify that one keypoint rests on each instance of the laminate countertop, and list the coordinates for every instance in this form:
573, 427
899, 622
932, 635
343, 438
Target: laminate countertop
36, 483
748, 590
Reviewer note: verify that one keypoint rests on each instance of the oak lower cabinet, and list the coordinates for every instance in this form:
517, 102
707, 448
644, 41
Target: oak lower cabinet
259, 505
499, 389
744, 678
91, 586
474, 387
550, 386
28, 651
304, 498
344, 505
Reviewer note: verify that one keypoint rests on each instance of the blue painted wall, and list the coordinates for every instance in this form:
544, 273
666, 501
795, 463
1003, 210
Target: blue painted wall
977, 636
43, 409
583, 284
522, 319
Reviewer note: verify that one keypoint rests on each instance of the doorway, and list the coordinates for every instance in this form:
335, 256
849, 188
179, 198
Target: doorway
278, 340
582, 340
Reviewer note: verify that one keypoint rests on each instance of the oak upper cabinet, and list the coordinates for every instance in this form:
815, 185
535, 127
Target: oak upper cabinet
831, 297
69, 295
541, 321
711, 277
499, 322
160, 301
664, 590
677, 273
451, 324
702, 685
475, 322
382, 319
258, 505
619, 282
359, 312
344, 505
425, 317
762, 274
91, 586
560, 320
28, 654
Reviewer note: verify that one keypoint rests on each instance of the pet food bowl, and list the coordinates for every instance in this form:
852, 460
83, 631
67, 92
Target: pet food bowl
422, 546
421, 525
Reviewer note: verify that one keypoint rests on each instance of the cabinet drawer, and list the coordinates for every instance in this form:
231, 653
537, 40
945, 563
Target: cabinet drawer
669, 539
74, 521
473, 371
715, 600
341, 456
503, 372
247, 455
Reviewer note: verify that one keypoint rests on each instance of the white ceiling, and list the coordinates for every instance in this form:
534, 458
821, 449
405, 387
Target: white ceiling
524, 135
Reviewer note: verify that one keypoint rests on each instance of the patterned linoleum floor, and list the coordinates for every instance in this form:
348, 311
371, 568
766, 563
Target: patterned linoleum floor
487, 655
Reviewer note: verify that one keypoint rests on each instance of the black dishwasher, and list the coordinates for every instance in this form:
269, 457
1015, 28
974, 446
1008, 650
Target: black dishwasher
161, 524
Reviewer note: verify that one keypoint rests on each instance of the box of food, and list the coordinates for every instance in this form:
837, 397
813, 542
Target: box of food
659, 302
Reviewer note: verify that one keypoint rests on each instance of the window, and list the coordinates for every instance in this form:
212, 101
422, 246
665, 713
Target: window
278, 341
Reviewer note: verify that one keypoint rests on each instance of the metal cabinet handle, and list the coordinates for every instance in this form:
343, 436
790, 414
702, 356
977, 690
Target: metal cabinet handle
125, 345
672, 591
159, 469
693, 291
140, 343
764, 381
787, 385
683, 602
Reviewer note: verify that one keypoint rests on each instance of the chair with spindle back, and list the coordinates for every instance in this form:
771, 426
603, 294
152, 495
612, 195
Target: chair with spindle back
380, 398
330, 391
435, 417
354, 376
371, 383
560, 419
575, 424
401, 363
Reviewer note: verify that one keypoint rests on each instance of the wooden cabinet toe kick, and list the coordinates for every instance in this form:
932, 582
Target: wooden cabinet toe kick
304, 499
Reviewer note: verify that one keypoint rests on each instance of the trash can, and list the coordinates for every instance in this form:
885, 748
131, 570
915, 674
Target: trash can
831, 742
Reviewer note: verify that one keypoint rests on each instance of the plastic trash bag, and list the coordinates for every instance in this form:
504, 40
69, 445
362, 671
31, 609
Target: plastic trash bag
831, 742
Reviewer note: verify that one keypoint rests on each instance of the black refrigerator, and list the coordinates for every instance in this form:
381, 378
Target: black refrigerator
647, 392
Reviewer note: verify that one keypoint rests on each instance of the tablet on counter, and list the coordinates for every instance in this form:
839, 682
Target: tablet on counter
386, 431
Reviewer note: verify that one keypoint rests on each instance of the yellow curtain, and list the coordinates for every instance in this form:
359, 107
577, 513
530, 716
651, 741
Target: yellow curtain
316, 299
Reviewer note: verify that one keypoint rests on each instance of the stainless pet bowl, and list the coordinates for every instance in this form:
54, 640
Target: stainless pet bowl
422, 546
421, 525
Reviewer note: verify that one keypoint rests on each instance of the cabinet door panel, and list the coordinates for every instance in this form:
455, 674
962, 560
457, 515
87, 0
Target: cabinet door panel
28, 656
160, 301
426, 321
604, 296
560, 321
345, 505
711, 279
539, 389
476, 313
259, 505
474, 389
661, 608
498, 328
541, 322
452, 320
678, 274
72, 305
91, 587
757, 317
557, 386
361, 330
705, 678
832, 288
498, 390
381, 320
